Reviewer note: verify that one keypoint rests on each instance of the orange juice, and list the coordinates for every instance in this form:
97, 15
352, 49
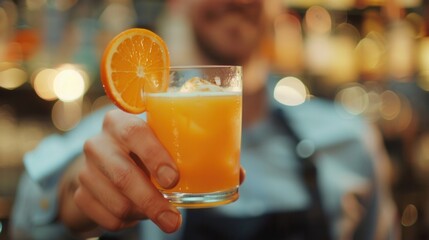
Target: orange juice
202, 132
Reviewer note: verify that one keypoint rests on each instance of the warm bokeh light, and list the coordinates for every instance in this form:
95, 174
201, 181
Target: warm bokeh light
409, 3
339, 4
302, 4
409, 215
318, 54
318, 20
348, 30
370, 53
100, 102
401, 54
288, 43
397, 119
66, 115
290, 91
372, 22
418, 24
117, 17
353, 98
43, 83
390, 105
343, 66
372, 112
423, 63
69, 84
12, 78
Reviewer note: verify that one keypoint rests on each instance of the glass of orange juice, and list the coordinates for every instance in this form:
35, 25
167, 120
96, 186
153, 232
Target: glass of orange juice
198, 120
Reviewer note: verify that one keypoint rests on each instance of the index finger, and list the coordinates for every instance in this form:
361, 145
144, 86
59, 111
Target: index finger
137, 137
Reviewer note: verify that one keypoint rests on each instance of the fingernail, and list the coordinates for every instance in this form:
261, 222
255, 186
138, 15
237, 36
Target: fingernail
167, 176
169, 221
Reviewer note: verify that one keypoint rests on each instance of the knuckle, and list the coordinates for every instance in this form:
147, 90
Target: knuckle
121, 177
89, 146
150, 204
78, 197
150, 151
112, 225
83, 176
109, 119
122, 209
133, 126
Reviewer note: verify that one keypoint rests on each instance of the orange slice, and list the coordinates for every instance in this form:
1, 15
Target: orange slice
136, 61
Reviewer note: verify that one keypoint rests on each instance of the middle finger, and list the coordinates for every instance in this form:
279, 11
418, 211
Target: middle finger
136, 135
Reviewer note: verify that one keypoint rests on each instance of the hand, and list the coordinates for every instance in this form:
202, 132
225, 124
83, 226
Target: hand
115, 189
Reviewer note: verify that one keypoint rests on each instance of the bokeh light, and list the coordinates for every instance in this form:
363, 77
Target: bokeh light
69, 84
390, 105
372, 22
354, 98
423, 63
340, 4
117, 17
347, 29
288, 43
12, 78
318, 20
66, 115
318, 54
395, 120
290, 91
100, 102
402, 51
417, 23
409, 3
343, 67
371, 54
43, 83
409, 215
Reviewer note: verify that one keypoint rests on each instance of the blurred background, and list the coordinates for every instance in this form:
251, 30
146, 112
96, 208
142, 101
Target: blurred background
371, 56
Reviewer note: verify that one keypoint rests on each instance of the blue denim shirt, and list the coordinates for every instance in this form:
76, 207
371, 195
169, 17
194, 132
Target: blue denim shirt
350, 161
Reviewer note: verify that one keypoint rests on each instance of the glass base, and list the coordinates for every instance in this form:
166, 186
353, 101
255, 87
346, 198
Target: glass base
202, 200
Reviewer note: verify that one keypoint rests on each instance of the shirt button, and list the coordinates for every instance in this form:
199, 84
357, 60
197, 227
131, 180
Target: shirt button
305, 148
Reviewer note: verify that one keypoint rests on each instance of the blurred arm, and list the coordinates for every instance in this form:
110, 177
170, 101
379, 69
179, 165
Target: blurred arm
35, 211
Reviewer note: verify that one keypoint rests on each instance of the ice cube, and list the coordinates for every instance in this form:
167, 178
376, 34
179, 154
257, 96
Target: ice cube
197, 84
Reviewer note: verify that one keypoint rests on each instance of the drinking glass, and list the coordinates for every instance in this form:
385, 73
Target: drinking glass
198, 120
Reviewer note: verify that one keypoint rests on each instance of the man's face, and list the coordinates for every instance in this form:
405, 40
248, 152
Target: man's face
227, 31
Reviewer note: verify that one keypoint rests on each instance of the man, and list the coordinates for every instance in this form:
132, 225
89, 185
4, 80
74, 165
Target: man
332, 191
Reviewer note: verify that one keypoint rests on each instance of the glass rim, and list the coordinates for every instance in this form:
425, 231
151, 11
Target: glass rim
182, 67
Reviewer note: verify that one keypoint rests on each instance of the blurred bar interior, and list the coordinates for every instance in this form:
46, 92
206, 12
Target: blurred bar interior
371, 56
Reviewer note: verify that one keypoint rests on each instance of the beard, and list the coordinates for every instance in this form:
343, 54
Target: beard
217, 55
